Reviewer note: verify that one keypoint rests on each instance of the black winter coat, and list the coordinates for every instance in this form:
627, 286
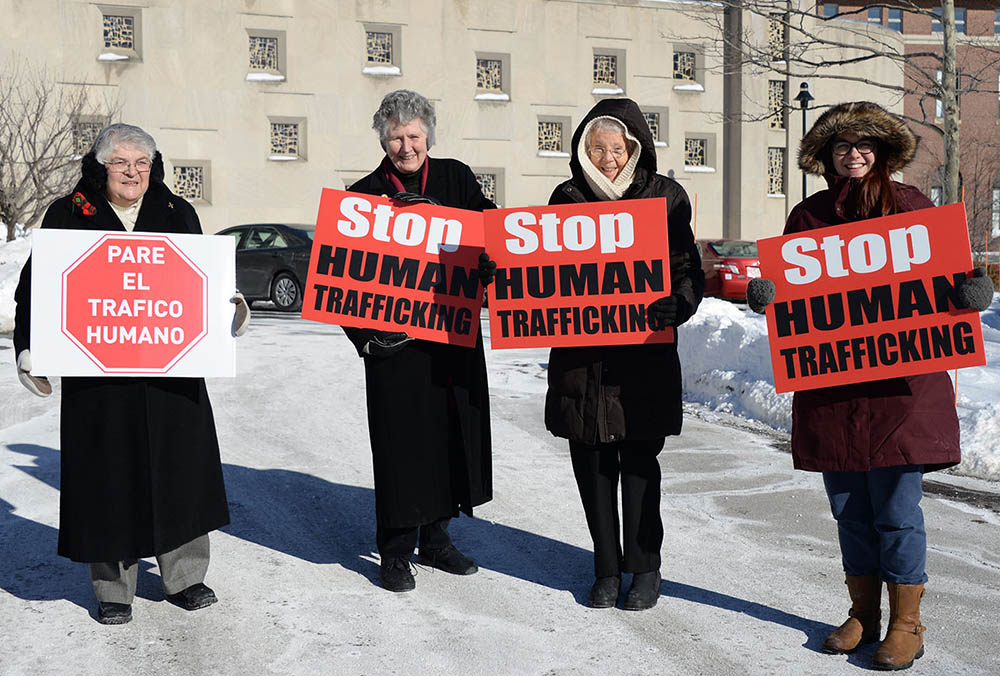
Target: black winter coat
428, 404
626, 392
140, 467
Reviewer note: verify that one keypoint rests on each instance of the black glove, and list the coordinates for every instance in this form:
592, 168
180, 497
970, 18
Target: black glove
381, 344
975, 291
760, 294
414, 197
669, 311
487, 269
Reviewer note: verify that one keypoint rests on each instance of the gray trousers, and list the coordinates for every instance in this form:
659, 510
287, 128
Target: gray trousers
114, 582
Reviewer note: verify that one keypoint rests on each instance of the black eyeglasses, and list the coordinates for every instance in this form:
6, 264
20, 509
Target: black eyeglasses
864, 146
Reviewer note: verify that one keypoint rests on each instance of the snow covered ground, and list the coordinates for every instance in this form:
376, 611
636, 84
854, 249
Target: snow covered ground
751, 570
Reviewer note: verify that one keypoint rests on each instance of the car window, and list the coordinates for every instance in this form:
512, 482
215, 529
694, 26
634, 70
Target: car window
735, 248
238, 236
265, 238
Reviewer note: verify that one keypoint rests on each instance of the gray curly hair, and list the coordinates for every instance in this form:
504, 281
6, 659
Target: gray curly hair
120, 134
402, 107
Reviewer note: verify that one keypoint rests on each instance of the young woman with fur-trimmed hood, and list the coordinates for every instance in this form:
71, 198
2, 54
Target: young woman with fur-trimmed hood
872, 441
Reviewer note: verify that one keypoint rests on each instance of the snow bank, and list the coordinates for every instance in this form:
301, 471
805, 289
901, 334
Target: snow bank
12, 257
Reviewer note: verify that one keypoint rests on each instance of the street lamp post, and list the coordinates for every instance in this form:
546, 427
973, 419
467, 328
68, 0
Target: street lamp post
804, 97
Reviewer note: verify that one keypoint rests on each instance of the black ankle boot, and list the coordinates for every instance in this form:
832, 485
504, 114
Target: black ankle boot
604, 593
644, 592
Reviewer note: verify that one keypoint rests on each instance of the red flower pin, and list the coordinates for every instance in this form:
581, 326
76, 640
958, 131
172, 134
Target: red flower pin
86, 207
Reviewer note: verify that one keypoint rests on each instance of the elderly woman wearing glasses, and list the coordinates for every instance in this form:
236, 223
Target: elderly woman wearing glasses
140, 469
428, 403
617, 404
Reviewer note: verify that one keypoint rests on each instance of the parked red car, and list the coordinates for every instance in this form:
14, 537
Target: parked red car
728, 264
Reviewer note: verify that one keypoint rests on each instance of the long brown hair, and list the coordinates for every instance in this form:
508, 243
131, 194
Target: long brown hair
875, 195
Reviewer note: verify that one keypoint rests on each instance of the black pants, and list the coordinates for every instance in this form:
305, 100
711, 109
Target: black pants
394, 543
597, 469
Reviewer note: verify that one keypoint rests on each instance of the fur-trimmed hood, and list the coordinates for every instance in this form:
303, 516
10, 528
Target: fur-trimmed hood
865, 119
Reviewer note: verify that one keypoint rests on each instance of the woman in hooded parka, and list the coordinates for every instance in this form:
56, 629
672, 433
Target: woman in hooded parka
616, 404
872, 441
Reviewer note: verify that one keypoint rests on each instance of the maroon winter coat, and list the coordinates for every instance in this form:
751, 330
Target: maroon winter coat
882, 423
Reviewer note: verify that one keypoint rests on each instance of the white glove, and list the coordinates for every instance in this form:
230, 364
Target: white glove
241, 318
37, 385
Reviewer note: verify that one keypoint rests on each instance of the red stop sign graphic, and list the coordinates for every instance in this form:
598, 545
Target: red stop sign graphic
134, 304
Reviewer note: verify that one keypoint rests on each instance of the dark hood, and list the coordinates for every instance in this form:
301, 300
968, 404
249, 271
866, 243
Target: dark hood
865, 119
627, 112
95, 175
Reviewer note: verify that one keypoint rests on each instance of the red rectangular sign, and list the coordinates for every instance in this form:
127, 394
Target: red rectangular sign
870, 300
396, 266
578, 274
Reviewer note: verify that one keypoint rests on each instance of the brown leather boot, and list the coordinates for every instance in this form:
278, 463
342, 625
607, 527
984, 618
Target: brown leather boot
904, 642
864, 624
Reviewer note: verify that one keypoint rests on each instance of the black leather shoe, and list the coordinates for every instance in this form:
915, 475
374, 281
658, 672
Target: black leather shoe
396, 575
644, 592
114, 613
448, 559
604, 593
194, 597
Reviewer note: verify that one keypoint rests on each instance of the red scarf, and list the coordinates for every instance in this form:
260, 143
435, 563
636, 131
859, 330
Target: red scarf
390, 174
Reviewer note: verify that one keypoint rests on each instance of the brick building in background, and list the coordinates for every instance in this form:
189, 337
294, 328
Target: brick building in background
977, 24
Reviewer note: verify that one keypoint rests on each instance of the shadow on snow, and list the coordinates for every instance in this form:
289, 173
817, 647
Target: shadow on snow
322, 522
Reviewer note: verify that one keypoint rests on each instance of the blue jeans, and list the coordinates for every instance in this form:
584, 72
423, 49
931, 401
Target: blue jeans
880, 523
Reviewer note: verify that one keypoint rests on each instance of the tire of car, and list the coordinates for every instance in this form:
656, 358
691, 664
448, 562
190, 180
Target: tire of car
285, 293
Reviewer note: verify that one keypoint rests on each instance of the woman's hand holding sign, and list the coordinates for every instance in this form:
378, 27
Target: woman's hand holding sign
976, 291
669, 311
37, 385
760, 294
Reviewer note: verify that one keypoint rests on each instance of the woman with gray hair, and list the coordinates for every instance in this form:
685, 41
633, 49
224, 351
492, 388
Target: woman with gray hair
428, 403
140, 469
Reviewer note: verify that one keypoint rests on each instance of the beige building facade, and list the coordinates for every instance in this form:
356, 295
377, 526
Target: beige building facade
256, 105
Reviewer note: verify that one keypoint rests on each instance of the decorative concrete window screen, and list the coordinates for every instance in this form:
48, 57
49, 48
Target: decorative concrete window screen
189, 182
653, 121
776, 37
119, 31
488, 184
284, 138
776, 103
379, 47
84, 135
684, 65
489, 75
605, 69
549, 136
263, 53
695, 152
776, 171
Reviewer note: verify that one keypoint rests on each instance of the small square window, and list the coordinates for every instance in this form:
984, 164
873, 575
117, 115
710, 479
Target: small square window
830, 10
776, 172
121, 33
192, 180
996, 22
695, 152
688, 69
287, 139
657, 119
699, 153
491, 182
383, 47
875, 15
266, 59
85, 131
776, 104
936, 20
492, 76
960, 20
608, 72
552, 136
